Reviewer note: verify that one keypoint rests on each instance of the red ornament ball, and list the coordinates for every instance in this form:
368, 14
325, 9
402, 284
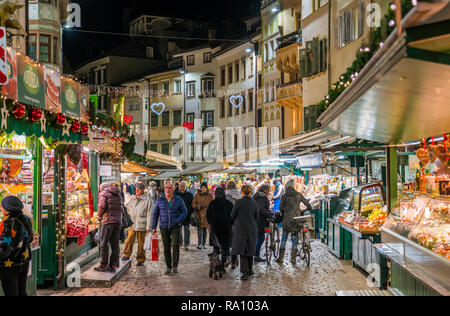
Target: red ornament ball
19, 111
84, 129
76, 126
60, 118
36, 114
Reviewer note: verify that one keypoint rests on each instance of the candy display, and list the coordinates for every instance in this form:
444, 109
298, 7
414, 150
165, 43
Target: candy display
79, 221
425, 220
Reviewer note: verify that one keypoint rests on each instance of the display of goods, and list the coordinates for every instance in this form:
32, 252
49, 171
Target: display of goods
15, 166
377, 215
368, 229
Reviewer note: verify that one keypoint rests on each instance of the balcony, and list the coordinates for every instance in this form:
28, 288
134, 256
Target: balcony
290, 95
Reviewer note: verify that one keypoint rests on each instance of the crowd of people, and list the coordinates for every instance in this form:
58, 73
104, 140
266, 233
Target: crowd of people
232, 222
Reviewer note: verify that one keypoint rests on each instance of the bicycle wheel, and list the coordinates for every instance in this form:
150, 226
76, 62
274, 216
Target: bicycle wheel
276, 242
307, 247
301, 251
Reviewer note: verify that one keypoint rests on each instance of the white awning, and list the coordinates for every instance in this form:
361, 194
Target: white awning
166, 175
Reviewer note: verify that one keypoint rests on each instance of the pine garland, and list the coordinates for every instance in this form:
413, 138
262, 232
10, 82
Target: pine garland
363, 55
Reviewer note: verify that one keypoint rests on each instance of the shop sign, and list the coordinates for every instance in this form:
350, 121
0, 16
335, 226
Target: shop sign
105, 171
69, 98
4, 78
52, 90
10, 90
30, 79
309, 161
84, 99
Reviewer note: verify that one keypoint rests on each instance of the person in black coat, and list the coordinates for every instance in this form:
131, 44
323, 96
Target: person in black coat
218, 216
261, 198
16, 235
245, 230
187, 198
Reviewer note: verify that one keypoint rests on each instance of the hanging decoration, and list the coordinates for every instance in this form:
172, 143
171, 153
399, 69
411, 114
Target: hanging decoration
4, 115
36, 114
188, 125
19, 111
85, 129
60, 119
158, 108
66, 128
236, 100
76, 126
127, 119
43, 122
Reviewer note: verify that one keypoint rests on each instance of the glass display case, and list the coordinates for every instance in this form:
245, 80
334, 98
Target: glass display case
80, 218
362, 208
418, 232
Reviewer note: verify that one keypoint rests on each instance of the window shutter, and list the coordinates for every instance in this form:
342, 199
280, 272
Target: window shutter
308, 58
315, 55
323, 55
337, 31
362, 18
303, 63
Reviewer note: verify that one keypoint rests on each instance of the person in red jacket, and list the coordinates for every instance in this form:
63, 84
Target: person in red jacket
110, 210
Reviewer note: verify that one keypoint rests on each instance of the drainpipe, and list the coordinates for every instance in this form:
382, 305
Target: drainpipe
329, 44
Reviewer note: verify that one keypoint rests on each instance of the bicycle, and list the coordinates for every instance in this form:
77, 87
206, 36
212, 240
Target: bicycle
272, 242
304, 248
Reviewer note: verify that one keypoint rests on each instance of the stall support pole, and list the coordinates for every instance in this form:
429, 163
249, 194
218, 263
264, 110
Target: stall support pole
391, 177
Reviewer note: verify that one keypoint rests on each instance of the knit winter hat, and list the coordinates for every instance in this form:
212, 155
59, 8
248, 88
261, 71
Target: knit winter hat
204, 184
12, 204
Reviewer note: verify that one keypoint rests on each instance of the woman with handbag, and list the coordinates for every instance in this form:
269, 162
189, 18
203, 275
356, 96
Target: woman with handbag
110, 211
200, 204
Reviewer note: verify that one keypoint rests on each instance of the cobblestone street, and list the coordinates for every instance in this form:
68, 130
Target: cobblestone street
325, 276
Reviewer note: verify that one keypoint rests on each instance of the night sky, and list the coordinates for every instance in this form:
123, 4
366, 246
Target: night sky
114, 16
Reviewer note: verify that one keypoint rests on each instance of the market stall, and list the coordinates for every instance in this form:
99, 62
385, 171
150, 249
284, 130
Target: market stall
17, 170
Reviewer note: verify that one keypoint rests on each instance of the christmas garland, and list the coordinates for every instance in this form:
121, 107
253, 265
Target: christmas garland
364, 54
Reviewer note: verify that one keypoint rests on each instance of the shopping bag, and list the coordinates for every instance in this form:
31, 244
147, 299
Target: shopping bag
127, 222
155, 247
98, 235
148, 243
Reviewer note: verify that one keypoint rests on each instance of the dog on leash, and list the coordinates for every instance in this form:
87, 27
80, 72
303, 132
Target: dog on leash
215, 266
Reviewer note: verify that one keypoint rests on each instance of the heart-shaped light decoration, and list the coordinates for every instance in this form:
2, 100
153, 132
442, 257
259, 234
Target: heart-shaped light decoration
423, 156
236, 100
158, 108
440, 152
188, 125
127, 119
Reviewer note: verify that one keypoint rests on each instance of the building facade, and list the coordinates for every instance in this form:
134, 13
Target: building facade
166, 98
314, 57
45, 31
236, 92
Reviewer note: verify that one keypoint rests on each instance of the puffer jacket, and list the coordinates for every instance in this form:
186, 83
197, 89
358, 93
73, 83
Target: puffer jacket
110, 205
264, 211
200, 204
169, 218
140, 210
290, 208
232, 195
16, 235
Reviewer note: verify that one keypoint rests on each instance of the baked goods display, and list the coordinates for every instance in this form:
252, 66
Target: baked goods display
425, 220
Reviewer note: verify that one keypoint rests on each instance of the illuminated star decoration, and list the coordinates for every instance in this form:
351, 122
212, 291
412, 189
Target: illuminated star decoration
43, 122
66, 129
8, 263
4, 115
